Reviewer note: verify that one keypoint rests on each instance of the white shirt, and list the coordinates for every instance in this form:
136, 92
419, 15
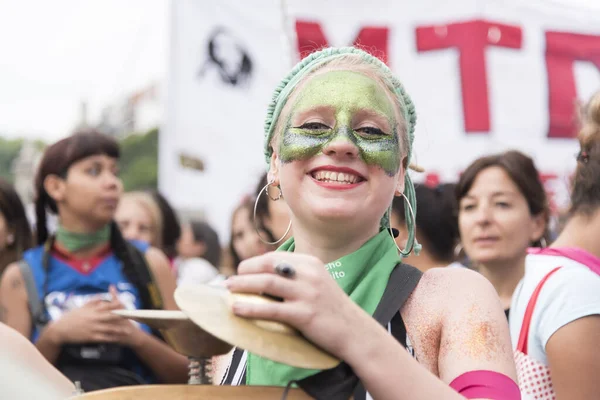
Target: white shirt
571, 293
194, 271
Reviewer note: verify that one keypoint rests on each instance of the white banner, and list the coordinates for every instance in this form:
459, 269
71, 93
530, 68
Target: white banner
485, 76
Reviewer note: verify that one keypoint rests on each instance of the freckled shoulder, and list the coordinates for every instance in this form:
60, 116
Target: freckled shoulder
422, 315
463, 287
440, 292
457, 324
443, 288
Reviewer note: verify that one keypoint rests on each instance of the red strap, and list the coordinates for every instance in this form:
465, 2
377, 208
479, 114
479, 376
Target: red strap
524, 334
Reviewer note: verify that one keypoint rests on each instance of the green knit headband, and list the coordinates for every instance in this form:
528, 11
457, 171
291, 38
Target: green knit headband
320, 58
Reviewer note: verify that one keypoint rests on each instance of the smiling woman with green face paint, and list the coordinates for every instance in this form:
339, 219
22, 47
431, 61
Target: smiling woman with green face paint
338, 150
338, 142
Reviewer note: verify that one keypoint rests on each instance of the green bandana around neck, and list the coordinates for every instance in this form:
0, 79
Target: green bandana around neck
74, 241
363, 275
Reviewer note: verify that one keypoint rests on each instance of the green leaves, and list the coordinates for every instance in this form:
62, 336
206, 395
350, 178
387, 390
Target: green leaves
139, 159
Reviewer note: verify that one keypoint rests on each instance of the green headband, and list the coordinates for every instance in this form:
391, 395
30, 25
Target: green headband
320, 58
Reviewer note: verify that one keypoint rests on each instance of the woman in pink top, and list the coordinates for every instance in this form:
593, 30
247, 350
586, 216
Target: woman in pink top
555, 312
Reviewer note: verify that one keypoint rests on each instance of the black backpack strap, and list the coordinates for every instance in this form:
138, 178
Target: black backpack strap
403, 281
36, 307
398, 329
149, 293
340, 382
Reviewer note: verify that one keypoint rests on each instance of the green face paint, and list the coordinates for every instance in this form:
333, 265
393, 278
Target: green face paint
346, 93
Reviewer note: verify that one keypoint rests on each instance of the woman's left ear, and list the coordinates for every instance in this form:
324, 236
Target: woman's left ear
400, 177
538, 227
400, 184
273, 174
55, 187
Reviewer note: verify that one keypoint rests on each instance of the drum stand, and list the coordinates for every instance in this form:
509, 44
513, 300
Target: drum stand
200, 371
186, 338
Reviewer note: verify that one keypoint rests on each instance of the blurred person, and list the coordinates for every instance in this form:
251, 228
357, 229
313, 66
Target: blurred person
171, 228
502, 211
436, 226
140, 218
199, 253
272, 213
15, 230
61, 296
245, 241
555, 311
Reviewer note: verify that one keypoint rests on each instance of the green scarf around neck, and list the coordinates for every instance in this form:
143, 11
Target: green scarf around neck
74, 241
363, 275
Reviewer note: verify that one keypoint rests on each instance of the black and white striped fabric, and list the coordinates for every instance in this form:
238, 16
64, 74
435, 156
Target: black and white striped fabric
401, 284
235, 374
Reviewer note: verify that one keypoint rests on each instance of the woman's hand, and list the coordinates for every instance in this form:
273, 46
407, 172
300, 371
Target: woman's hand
126, 331
91, 323
313, 302
95, 323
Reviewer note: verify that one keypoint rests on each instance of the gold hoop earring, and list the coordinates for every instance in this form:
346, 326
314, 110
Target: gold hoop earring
254, 216
412, 213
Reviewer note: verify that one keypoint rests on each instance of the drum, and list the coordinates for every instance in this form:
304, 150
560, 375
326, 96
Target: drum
206, 327
193, 392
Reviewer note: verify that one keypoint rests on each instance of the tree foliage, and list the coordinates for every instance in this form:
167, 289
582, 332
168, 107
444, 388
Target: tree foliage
139, 159
9, 149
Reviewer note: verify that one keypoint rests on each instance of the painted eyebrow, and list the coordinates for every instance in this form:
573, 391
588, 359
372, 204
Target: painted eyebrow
312, 111
380, 119
365, 113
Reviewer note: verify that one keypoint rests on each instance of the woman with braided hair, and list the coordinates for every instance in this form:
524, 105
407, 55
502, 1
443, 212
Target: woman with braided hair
338, 142
61, 295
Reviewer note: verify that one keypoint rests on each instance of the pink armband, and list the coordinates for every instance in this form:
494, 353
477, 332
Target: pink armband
486, 385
